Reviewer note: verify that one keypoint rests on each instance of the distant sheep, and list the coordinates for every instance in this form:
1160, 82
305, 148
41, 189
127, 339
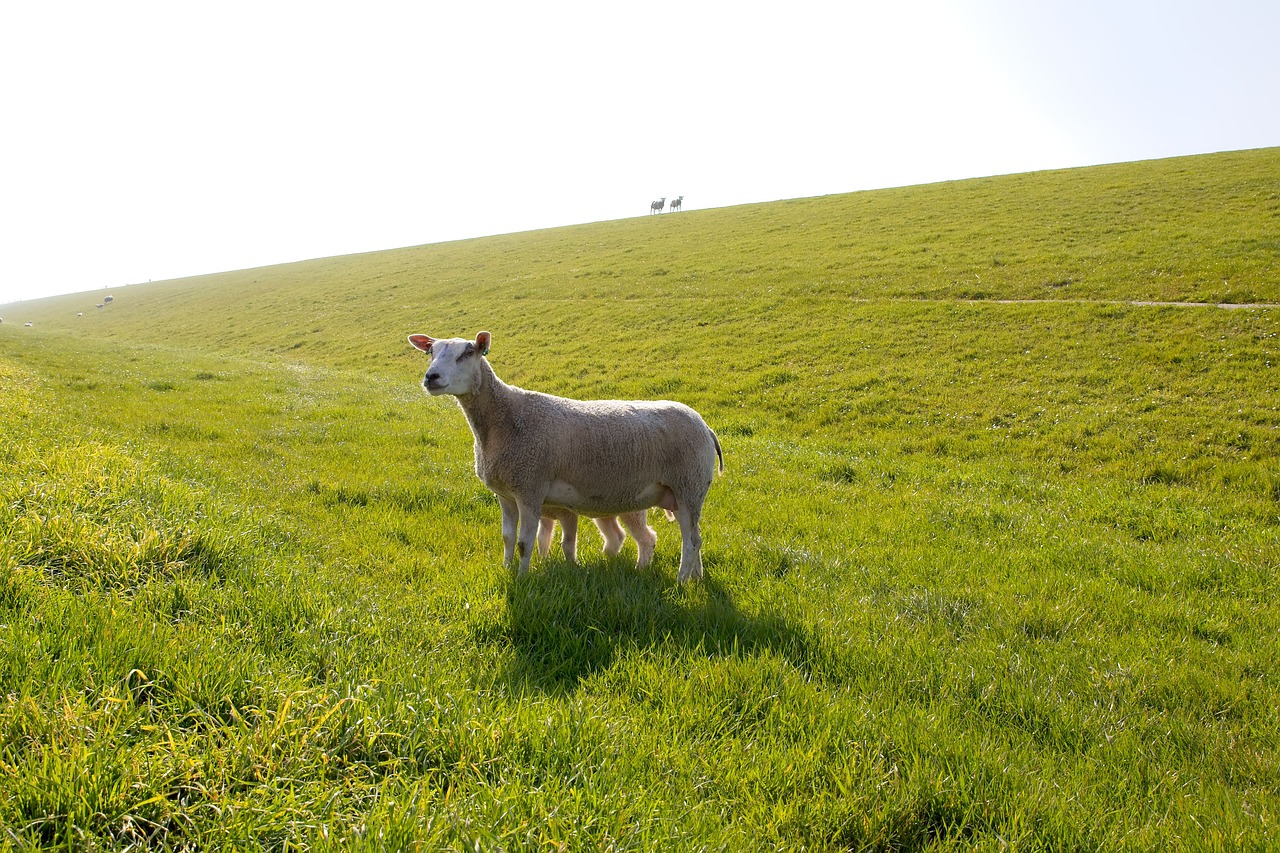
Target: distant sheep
552, 459
99, 305
28, 325
108, 299
79, 313
675, 203
656, 207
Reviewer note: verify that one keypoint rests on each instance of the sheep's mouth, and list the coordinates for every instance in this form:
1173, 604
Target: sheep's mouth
434, 386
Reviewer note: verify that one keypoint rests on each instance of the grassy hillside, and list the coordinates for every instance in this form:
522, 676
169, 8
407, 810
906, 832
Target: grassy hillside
982, 573
1198, 229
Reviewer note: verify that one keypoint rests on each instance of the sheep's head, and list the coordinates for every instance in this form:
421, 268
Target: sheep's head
455, 363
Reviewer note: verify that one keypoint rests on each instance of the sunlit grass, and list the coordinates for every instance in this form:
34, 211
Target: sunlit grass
980, 575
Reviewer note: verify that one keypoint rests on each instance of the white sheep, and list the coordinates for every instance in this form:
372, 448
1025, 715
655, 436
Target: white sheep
614, 537
552, 459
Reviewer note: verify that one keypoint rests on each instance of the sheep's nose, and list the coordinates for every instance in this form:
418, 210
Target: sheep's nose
433, 377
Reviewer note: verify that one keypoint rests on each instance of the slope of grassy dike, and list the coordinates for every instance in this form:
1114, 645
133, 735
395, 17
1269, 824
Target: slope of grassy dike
1194, 229
992, 566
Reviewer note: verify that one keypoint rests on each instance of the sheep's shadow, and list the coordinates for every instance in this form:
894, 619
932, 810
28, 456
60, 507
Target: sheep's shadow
564, 622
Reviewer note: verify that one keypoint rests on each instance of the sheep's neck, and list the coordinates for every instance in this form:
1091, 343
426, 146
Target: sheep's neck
488, 407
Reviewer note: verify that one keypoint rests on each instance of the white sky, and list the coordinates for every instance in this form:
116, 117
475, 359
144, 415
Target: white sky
150, 140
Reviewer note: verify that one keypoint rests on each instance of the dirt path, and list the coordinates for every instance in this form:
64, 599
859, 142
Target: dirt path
1136, 303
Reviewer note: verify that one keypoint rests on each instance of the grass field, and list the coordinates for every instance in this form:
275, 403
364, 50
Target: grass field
992, 565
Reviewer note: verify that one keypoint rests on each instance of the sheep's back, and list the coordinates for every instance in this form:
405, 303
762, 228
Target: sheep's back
619, 438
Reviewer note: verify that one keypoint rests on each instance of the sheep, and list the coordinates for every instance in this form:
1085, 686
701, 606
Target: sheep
646, 537
27, 325
675, 203
79, 313
550, 458
656, 207
108, 299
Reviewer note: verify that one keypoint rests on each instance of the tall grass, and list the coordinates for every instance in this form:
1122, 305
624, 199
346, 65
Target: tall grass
981, 575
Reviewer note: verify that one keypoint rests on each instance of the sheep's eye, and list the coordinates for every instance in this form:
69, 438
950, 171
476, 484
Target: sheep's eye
470, 350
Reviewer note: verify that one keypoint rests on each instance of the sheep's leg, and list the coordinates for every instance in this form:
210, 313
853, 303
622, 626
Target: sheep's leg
646, 537
689, 517
546, 529
530, 517
569, 539
510, 515
569, 535
612, 533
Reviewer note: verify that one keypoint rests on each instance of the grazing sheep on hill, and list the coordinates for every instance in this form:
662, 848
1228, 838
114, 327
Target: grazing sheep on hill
549, 458
108, 299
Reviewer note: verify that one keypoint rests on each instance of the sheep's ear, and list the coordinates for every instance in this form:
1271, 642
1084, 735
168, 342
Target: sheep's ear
482, 342
422, 342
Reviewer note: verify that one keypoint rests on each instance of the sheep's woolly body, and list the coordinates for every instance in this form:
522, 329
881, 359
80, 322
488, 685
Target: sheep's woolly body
576, 450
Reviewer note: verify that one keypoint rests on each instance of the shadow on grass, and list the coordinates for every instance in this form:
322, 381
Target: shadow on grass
565, 623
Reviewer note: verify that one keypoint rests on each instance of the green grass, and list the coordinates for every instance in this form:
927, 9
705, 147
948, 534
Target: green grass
981, 574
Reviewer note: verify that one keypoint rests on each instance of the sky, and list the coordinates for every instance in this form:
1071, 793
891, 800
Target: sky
150, 140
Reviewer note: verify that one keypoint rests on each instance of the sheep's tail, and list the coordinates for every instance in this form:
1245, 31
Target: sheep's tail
719, 454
